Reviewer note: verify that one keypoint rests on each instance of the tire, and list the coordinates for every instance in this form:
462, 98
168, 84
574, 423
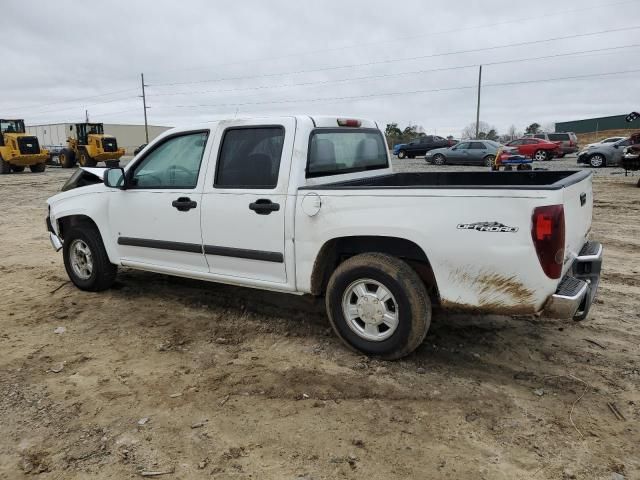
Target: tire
5, 167
85, 160
38, 167
67, 158
402, 154
488, 160
439, 159
17, 168
541, 156
408, 297
112, 163
101, 274
597, 160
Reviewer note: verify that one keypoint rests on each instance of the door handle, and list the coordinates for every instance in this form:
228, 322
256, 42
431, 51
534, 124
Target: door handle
264, 206
184, 204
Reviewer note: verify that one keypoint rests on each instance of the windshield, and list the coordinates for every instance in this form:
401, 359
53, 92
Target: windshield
336, 151
12, 126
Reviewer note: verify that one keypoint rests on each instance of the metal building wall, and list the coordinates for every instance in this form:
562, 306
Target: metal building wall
129, 136
614, 122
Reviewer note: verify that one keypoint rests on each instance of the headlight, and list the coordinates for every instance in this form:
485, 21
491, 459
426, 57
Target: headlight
429, 154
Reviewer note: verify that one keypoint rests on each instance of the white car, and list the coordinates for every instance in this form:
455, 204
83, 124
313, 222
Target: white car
606, 140
311, 205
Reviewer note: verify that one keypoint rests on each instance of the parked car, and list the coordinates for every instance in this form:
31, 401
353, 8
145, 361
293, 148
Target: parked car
420, 146
568, 141
467, 152
311, 205
604, 154
139, 149
534, 148
606, 140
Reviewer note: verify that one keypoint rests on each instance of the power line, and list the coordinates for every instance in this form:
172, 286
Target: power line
124, 99
396, 60
389, 94
410, 37
77, 100
395, 74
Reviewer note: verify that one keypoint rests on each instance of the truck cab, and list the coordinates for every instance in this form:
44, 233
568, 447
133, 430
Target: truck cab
18, 149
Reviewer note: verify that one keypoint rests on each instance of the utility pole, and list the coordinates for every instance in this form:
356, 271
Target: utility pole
478, 108
86, 116
144, 105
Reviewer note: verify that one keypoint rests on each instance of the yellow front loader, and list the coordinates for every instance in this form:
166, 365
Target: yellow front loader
89, 146
19, 150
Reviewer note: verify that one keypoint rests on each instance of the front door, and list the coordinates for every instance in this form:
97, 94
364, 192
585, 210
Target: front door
157, 219
244, 203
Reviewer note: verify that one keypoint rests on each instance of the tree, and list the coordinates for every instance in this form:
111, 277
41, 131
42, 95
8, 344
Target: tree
485, 131
392, 130
533, 128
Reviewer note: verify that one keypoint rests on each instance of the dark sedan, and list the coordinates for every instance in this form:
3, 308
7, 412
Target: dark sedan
467, 152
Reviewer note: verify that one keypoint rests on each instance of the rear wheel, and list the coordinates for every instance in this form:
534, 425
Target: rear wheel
86, 260
488, 160
5, 167
66, 158
439, 159
597, 160
37, 168
540, 156
378, 305
402, 154
112, 163
86, 160
17, 168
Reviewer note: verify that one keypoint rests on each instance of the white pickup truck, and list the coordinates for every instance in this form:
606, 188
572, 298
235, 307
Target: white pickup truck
311, 205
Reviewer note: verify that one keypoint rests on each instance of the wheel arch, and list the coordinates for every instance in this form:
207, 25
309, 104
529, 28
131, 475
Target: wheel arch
336, 250
68, 222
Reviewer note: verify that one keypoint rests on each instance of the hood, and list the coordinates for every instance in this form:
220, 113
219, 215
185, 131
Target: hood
98, 172
84, 176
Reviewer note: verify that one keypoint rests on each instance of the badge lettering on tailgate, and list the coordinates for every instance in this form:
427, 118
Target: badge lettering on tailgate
487, 227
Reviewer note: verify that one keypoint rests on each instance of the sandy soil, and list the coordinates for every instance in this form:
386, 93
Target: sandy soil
210, 381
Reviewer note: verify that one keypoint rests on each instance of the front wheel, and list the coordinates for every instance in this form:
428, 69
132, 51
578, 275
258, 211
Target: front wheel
402, 154
66, 158
439, 159
37, 168
378, 305
86, 260
597, 160
86, 160
112, 163
540, 156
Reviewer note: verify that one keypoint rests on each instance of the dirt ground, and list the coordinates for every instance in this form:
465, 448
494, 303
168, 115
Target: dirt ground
200, 380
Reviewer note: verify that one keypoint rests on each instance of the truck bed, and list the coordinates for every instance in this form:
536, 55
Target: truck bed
518, 180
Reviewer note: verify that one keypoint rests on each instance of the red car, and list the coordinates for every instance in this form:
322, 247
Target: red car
535, 148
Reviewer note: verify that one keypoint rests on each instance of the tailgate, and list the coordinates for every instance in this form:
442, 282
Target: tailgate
578, 208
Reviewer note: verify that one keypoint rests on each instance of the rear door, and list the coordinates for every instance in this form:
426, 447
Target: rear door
477, 152
243, 216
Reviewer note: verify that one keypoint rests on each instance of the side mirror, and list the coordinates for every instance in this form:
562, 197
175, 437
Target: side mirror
616, 146
115, 178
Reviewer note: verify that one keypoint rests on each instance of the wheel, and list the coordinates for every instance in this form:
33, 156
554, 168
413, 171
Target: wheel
86, 260
540, 156
378, 305
86, 160
66, 158
402, 154
5, 167
597, 160
37, 168
17, 168
112, 163
438, 159
488, 160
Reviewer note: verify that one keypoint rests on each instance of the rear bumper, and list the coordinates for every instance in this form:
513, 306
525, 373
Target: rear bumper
577, 290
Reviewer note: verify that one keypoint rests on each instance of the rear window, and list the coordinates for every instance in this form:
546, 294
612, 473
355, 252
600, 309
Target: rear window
336, 151
559, 137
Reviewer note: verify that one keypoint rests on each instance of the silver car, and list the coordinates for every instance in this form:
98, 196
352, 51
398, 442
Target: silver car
467, 152
604, 154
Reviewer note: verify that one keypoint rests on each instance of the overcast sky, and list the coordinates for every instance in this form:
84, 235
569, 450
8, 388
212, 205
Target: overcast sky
286, 56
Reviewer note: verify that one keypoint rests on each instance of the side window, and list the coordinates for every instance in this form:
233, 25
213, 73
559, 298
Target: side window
174, 163
515, 143
539, 135
477, 146
530, 142
250, 157
463, 146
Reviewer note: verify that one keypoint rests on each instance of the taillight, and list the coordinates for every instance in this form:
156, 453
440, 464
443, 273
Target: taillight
547, 232
349, 122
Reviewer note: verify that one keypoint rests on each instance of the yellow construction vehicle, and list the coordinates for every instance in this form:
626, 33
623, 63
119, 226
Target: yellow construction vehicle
19, 150
89, 146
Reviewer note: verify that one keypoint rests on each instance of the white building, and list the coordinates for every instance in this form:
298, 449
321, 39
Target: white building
129, 137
